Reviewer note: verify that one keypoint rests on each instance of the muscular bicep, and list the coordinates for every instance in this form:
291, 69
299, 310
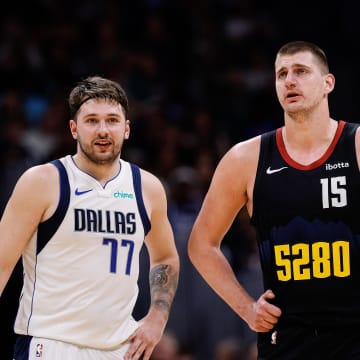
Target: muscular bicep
224, 199
230, 190
357, 145
24, 211
160, 239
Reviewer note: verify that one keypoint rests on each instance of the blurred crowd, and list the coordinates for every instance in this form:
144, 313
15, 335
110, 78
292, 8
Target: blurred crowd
199, 77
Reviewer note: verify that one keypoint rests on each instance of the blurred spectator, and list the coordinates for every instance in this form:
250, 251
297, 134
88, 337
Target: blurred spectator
15, 158
232, 349
169, 349
199, 78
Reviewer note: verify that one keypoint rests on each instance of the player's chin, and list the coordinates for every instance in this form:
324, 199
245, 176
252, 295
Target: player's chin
103, 158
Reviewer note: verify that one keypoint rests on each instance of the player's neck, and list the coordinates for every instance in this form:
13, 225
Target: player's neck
102, 172
307, 141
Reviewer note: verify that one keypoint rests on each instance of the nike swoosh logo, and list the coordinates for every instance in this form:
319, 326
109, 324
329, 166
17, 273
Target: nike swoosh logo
78, 192
273, 171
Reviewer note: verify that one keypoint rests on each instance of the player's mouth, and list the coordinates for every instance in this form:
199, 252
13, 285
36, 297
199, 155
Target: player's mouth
292, 96
103, 144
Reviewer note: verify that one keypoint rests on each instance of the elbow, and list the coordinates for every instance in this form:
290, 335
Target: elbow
194, 248
173, 262
201, 247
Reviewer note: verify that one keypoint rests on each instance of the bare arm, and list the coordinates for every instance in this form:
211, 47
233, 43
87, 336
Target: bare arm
357, 145
28, 205
164, 271
164, 260
163, 284
230, 190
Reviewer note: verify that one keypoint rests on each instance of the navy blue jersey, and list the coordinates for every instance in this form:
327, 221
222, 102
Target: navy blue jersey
308, 227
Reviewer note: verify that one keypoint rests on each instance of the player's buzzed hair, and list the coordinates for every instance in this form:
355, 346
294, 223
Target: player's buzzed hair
295, 47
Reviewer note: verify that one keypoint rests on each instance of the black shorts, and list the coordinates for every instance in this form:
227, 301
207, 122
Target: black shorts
306, 343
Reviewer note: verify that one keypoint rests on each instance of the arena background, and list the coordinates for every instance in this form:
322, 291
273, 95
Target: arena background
199, 75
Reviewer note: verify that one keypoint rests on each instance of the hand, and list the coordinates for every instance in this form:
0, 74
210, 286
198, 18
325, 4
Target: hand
143, 340
263, 315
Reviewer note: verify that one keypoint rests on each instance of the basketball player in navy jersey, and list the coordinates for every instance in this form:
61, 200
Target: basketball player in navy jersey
79, 223
301, 187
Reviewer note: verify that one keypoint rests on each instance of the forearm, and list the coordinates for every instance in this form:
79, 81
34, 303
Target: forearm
163, 281
217, 272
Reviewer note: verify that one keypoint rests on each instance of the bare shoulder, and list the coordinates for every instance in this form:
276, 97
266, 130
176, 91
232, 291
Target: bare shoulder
229, 191
357, 145
151, 182
39, 177
38, 188
32, 201
235, 175
153, 190
243, 155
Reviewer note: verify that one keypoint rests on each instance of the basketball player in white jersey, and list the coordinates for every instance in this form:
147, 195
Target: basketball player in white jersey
79, 223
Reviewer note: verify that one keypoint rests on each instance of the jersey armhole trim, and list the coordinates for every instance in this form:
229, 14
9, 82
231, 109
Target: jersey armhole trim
139, 197
49, 227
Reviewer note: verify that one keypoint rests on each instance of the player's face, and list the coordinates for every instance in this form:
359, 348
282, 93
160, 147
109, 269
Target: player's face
300, 84
100, 130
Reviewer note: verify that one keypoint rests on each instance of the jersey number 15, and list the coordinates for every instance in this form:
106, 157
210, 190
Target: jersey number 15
334, 192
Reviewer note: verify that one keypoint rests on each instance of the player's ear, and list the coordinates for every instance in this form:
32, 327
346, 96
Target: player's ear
329, 83
73, 128
127, 129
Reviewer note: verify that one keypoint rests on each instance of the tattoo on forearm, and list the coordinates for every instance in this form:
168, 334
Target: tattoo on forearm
163, 284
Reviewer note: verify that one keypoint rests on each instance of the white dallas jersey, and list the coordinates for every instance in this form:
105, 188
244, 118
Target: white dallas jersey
81, 266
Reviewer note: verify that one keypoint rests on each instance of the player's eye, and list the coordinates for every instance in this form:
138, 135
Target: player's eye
300, 71
114, 120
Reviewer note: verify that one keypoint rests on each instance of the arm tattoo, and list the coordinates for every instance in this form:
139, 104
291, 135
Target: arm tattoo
163, 284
